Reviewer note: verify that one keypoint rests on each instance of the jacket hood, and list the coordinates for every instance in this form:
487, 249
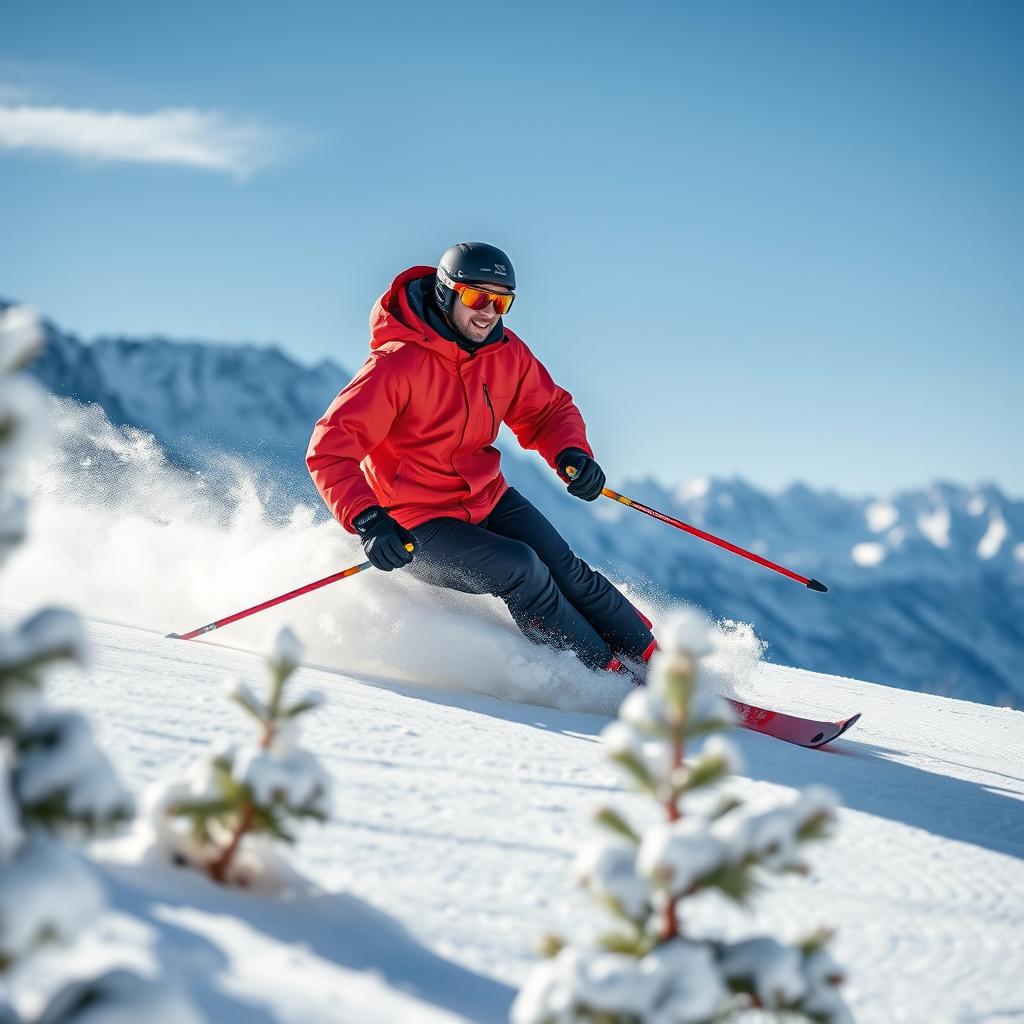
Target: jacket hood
394, 319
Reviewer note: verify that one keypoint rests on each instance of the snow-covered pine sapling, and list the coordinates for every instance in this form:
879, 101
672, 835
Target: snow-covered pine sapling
654, 966
242, 790
53, 779
54, 782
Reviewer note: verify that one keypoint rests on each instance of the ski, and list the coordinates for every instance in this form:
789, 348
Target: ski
805, 732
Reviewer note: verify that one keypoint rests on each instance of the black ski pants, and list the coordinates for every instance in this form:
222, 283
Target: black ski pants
555, 598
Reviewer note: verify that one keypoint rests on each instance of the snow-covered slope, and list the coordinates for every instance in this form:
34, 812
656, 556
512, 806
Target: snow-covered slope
457, 815
926, 586
466, 763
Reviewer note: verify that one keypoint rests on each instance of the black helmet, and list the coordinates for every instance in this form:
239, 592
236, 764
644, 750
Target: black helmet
474, 263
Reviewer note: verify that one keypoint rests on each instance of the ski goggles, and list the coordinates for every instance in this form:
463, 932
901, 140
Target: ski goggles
480, 298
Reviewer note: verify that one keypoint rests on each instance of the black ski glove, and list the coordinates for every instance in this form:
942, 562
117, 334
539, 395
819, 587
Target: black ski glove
383, 539
588, 480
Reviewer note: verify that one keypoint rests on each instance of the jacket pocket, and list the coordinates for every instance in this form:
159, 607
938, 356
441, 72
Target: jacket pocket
495, 407
490, 407
396, 480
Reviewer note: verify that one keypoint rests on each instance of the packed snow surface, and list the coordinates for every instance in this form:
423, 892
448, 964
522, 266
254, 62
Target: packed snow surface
466, 764
458, 817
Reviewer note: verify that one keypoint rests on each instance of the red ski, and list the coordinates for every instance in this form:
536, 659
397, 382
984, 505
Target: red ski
805, 732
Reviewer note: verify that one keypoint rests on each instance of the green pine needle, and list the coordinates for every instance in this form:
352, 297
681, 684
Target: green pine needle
637, 772
614, 822
706, 772
55, 813
244, 701
277, 682
631, 945
696, 729
815, 942
736, 881
300, 708
816, 828
727, 804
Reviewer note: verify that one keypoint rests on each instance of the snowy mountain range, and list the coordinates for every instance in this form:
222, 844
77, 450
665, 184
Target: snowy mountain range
926, 586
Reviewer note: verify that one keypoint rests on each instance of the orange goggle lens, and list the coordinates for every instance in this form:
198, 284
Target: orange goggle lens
477, 298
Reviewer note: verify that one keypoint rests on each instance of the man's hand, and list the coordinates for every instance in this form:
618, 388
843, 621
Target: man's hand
587, 481
384, 540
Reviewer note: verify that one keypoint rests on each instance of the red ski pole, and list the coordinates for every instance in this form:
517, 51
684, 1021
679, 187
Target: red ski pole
710, 537
309, 587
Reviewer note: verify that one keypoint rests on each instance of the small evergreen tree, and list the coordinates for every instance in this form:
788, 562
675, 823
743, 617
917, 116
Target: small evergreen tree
652, 968
246, 790
54, 782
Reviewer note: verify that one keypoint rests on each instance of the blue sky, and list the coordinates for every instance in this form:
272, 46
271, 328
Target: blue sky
784, 241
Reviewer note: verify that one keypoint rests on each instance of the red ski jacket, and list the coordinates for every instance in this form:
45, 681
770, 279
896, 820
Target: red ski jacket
414, 430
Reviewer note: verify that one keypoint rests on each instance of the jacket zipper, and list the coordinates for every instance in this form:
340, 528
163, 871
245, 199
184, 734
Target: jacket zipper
465, 395
487, 395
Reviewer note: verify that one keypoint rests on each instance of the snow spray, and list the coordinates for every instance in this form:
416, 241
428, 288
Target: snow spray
121, 534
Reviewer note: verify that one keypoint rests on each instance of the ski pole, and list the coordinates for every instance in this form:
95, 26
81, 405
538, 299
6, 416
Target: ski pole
309, 587
710, 537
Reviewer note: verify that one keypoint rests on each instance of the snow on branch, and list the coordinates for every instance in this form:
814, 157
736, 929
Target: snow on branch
21, 416
119, 997
54, 780
649, 968
21, 339
243, 791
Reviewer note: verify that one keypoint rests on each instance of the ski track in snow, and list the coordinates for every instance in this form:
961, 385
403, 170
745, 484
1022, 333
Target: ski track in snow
457, 815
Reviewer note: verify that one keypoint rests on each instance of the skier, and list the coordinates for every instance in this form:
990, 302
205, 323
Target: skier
404, 456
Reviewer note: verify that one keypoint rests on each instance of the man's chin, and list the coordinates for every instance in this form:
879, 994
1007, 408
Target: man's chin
476, 335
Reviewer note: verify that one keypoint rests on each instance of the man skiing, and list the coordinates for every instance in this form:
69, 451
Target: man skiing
404, 456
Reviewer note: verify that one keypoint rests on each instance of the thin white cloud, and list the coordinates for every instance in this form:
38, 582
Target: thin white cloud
190, 138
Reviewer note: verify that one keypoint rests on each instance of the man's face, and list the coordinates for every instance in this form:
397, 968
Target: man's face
476, 324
